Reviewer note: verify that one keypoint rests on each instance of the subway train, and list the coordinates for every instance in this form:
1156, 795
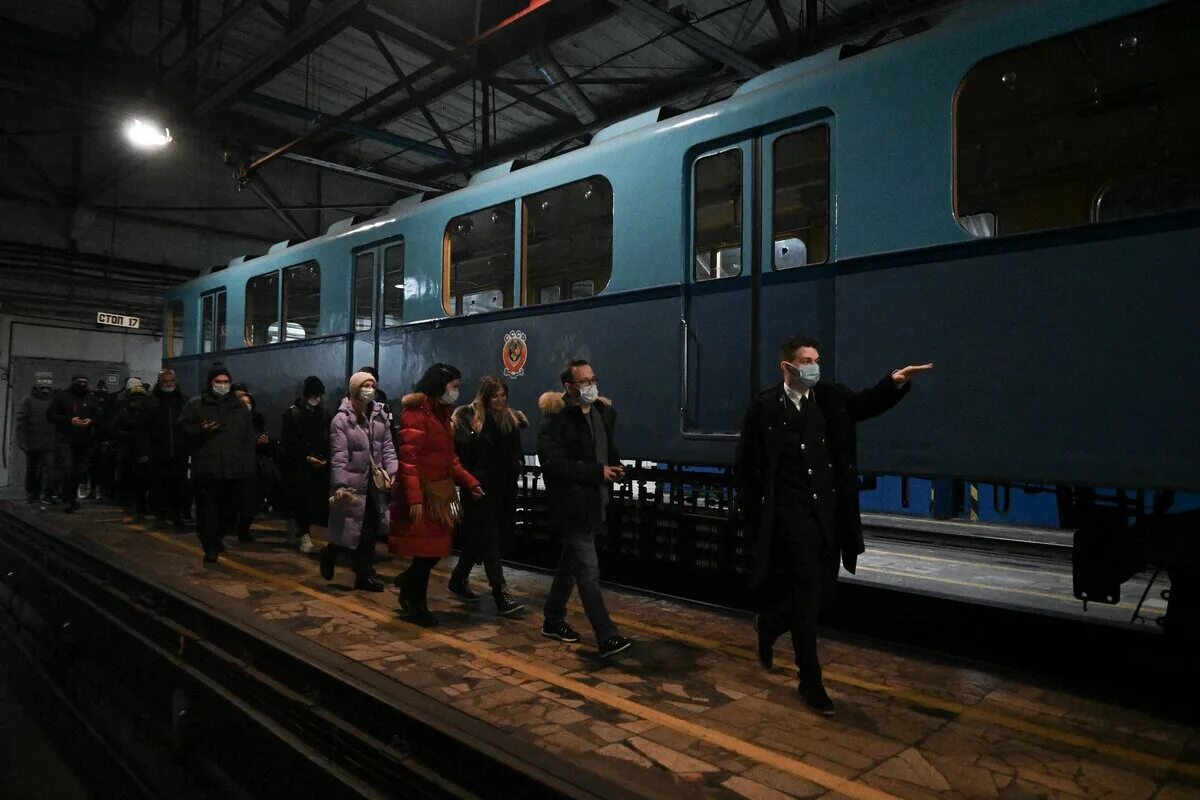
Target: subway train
1013, 195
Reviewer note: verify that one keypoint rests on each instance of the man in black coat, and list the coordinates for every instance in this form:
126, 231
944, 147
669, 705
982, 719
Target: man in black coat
162, 443
797, 488
75, 417
578, 455
305, 439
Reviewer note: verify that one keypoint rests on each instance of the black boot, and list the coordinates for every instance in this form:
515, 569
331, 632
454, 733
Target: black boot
328, 562
815, 697
766, 644
367, 583
460, 589
505, 605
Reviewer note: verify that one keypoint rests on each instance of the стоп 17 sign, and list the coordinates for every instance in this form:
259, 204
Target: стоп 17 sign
119, 320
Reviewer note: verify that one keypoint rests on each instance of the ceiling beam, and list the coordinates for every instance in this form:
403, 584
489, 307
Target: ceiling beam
782, 29
210, 38
693, 38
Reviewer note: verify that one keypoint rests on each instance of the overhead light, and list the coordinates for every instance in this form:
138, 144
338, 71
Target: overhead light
147, 135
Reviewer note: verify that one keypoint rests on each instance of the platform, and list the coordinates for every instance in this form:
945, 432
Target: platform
687, 712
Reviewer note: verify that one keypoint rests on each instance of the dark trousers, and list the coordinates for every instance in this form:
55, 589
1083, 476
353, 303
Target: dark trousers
579, 566
363, 555
414, 582
169, 493
39, 471
310, 493
72, 461
218, 501
102, 470
131, 483
801, 584
481, 530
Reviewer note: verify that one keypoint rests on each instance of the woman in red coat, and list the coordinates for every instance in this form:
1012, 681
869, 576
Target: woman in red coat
425, 504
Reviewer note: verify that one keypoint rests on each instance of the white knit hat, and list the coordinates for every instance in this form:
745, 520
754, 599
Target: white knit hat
132, 382
357, 380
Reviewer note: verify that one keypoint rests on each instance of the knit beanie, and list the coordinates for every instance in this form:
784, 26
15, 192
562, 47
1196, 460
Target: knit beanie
131, 383
313, 386
216, 370
43, 383
357, 380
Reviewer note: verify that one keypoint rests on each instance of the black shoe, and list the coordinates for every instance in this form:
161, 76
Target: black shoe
211, 554
328, 562
613, 645
368, 584
70, 508
418, 615
461, 590
815, 697
766, 646
30, 500
505, 605
221, 548
561, 631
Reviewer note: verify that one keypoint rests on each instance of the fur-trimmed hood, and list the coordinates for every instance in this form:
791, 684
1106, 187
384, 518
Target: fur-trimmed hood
414, 400
554, 402
464, 416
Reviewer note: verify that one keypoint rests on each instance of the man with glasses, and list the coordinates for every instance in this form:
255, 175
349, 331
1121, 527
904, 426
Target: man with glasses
579, 461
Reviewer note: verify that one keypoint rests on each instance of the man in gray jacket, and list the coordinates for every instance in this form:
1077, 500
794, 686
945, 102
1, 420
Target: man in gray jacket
223, 464
35, 437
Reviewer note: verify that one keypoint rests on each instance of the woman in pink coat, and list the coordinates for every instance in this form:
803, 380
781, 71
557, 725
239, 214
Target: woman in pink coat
425, 505
360, 439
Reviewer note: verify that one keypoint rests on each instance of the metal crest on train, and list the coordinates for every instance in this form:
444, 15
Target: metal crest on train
514, 354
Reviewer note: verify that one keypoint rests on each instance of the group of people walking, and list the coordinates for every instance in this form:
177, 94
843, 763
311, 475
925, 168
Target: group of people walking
435, 467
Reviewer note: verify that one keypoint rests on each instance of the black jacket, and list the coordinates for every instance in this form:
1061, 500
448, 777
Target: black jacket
574, 478
305, 432
160, 436
758, 456
127, 423
227, 452
66, 405
494, 457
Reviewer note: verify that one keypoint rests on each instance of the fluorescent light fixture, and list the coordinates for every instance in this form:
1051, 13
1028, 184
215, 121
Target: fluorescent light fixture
147, 135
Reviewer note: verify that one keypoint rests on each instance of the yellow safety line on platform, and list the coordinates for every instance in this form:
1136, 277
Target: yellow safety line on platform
846, 786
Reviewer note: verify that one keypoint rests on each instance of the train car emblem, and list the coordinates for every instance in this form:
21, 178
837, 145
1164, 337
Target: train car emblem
514, 354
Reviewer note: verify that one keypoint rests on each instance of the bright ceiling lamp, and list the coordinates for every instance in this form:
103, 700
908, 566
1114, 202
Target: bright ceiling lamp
147, 135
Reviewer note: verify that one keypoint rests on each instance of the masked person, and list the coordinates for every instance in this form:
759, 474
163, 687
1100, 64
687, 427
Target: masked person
382, 398
223, 438
797, 489
426, 506
578, 454
35, 437
162, 443
487, 438
363, 466
305, 441
102, 462
257, 494
74, 415
131, 459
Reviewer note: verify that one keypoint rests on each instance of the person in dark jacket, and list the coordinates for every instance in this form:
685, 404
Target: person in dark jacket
796, 480
305, 443
74, 416
35, 437
223, 460
578, 454
258, 493
487, 437
102, 462
425, 500
162, 443
131, 461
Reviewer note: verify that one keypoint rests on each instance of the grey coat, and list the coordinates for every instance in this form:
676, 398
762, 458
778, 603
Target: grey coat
34, 431
352, 447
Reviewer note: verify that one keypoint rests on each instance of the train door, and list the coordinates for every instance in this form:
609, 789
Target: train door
759, 250
717, 298
377, 300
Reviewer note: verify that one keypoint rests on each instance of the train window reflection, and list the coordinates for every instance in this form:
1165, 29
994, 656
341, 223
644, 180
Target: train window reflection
212, 322
479, 261
302, 301
800, 198
568, 238
393, 285
173, 333
262, 309
717, 221
364, 295
1094, 126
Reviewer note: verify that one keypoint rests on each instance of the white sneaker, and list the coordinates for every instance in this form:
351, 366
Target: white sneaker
306, 544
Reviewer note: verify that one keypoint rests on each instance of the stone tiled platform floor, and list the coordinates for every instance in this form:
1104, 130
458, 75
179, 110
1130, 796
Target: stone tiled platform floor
687, 712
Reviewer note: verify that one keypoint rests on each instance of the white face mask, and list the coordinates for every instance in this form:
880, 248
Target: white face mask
450, 397
220, 389
313, 402
589, 394
367, 395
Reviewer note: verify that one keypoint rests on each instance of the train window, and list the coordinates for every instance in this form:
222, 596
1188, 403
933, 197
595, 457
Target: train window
479, 261
364, 291
262, 309
212, 322
568, 241
393, 285
800, 198
717, 221
302, 300
1094, 126
173, 329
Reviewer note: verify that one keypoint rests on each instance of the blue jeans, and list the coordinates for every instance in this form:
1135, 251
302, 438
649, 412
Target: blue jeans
578, 565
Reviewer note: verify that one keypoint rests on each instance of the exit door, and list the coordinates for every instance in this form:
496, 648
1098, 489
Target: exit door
377, 300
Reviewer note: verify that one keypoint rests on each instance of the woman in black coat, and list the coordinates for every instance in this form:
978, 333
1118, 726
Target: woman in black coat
305, 441
487, 437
